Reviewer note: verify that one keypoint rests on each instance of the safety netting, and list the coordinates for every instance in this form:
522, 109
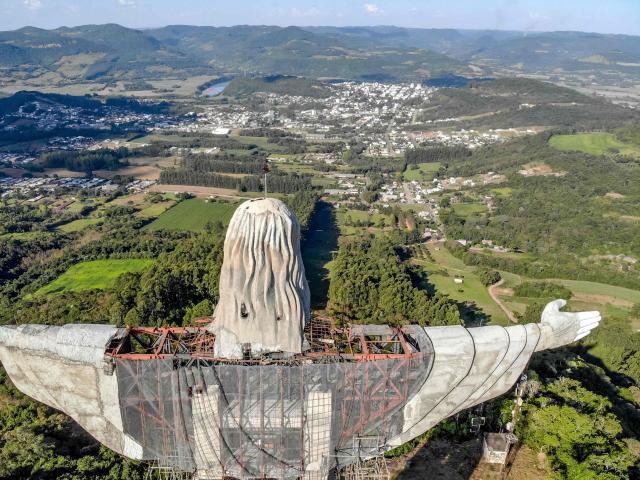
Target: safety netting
266, 421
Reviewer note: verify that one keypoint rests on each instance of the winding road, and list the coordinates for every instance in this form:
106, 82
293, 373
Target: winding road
494, 296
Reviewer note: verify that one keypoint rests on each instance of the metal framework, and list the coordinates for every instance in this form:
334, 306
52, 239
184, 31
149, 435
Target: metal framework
267, 416
146, 343
354, 343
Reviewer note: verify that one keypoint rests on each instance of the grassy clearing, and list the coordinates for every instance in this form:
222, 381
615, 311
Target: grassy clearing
471, 290
593, 288
469, 209
77, 206
96, 274
594, 143
79, 225
502, 191
608, 299
323, 182
156, 137
347, 230
377, 219
155, 209
424, 173
193, 215
578, 287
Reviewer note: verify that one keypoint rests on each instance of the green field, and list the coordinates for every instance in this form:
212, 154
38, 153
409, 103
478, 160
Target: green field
579, 286
594, 144
471, 290
154, 210
261, 142
96, 274
78, 225
469, 209
77, 206
588, 295
502, 191
424, 173
193, 215
610, 300
342, 217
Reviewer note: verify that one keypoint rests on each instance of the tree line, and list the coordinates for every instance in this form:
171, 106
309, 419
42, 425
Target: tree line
224, 164
277, 182
87, 161
414, 156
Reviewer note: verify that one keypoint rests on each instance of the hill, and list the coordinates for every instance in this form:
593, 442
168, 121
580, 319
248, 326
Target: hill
278, 84
305, 52
88, 52
111, 53
12, 104
520, 102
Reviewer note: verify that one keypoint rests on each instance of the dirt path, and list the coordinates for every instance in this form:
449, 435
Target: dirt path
494, 295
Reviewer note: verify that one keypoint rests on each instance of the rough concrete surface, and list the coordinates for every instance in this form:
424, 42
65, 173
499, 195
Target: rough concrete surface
264, 296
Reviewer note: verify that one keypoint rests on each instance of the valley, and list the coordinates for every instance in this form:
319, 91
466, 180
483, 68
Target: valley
440, 178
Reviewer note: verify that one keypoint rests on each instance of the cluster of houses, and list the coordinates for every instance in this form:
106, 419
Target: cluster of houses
48, 116
35, 187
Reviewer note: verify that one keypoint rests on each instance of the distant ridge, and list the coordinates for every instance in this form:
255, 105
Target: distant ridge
113, 53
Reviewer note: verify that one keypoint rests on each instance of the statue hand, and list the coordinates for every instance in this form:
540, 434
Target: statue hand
561, 328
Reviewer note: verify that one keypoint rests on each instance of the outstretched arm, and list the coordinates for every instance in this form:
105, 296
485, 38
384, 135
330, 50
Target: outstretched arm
561, 328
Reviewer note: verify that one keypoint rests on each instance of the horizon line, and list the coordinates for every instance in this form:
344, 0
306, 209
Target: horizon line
143, 28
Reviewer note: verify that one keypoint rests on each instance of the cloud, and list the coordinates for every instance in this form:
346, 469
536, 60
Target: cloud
372, 8
32, 4
127, 3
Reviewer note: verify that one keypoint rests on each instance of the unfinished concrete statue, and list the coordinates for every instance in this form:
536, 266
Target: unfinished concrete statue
264, 391
264, 296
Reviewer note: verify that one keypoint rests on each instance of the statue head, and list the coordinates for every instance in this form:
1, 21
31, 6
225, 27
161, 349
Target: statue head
264, 296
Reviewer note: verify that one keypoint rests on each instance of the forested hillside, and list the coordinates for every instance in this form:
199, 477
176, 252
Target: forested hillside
569, 222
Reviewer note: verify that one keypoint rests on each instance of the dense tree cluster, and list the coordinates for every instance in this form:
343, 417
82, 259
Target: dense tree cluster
224, 164
542, 290
16, 218
497, 103
177, 281
289, 144
17, 255
278, 182
371, 284
580, 420
87, 161
488, 276
618, 347
303, 204
414, 156
268, 132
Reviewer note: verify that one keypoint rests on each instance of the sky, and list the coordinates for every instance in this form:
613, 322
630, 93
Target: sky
606, 16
